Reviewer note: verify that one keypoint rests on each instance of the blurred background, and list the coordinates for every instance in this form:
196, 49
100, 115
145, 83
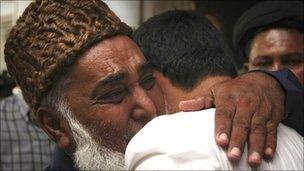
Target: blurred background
222, 13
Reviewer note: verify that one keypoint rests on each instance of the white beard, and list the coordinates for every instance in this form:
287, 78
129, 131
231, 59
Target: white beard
89, 155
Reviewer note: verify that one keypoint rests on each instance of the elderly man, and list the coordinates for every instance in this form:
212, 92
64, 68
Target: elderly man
85, 80
269, 36
174, 142
87, 83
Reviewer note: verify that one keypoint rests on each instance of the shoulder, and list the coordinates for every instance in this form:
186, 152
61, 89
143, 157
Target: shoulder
13, 103
13, 106
175, 121
179, 126
289, 140
179, 136
290, 148
9, 105
8, 100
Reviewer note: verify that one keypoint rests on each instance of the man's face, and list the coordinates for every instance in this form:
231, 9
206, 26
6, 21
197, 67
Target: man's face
276, 49
112, 92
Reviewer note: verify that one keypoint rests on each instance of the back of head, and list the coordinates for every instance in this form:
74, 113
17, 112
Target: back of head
50, 35
263, 16
185, 47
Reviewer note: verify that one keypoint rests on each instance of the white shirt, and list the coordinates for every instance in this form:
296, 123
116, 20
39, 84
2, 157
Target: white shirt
185, 141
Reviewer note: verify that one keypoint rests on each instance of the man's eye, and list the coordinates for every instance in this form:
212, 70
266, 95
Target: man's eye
115, 96
147, 82
293, 62
263, 63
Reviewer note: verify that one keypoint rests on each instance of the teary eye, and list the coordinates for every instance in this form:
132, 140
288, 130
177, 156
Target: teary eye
147, 82
114, 96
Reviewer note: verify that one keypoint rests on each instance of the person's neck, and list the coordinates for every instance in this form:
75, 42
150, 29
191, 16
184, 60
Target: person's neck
175, 94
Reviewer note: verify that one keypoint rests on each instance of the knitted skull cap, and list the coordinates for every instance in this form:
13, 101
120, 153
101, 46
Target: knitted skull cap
49, 36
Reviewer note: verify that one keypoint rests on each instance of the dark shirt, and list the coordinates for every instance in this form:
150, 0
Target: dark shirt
294, 99
61, 161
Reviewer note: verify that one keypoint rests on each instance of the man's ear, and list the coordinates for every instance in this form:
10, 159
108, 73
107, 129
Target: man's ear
160, 78
56, 127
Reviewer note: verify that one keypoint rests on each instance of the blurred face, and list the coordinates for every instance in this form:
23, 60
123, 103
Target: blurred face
276, 49
113, 93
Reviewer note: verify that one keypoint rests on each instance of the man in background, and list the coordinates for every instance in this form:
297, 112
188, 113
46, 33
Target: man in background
24, 146
269, 36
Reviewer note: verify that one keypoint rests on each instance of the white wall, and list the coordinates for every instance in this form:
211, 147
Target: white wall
154, 7
10, 12
126, 10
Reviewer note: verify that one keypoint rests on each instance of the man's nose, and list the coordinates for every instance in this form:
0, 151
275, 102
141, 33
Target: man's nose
277, 66
144, 108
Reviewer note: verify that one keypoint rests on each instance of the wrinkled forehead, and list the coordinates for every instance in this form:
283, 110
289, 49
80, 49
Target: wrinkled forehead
117, 54
281, 36
276, 42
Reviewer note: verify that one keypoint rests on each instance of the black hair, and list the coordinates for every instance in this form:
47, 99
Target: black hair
185, 47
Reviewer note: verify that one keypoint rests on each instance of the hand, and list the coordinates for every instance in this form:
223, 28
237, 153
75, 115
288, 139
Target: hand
249, 107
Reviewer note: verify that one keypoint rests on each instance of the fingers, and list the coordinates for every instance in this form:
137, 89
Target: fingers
199, 103
257, 141
209, 102
258, 132
240, 129
224, 114
253, 106
272, 125
271, 140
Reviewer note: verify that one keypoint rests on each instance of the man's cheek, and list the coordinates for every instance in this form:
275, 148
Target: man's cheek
299, 72
158, 100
